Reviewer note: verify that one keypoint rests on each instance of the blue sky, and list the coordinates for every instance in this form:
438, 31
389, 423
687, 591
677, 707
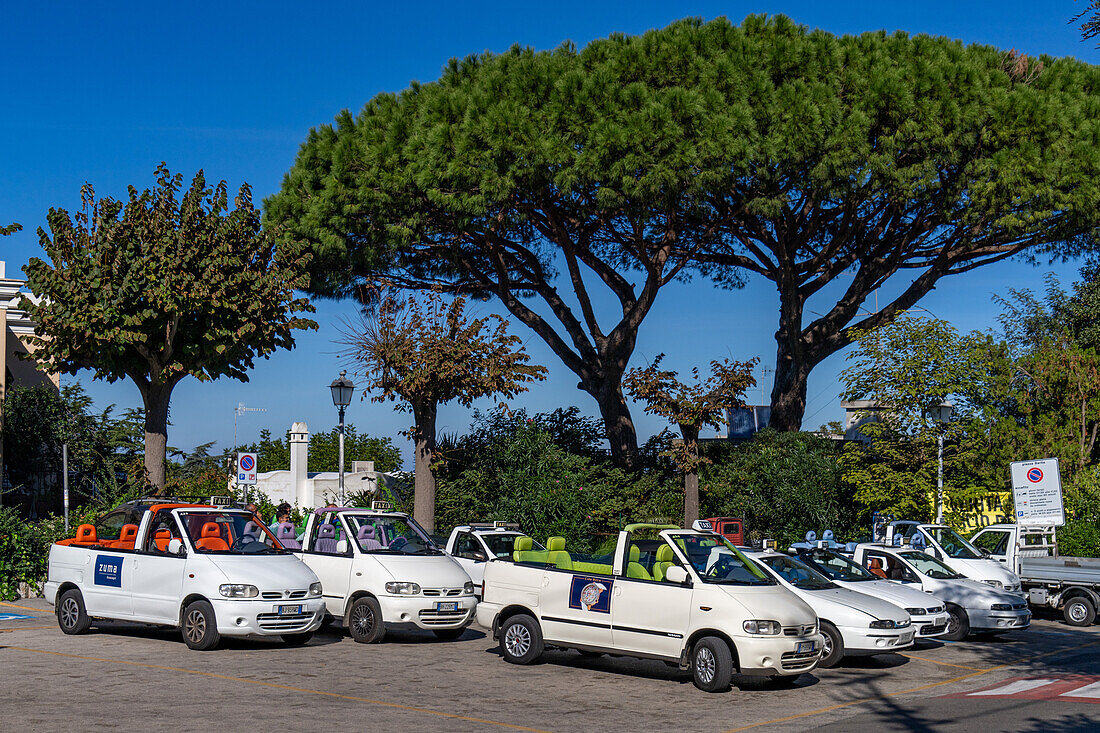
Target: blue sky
103, 92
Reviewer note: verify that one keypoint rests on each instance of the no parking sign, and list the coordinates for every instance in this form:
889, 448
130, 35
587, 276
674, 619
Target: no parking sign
246, 469
1037, 492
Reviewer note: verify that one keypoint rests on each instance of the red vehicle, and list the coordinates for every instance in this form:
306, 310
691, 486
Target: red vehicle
732, 528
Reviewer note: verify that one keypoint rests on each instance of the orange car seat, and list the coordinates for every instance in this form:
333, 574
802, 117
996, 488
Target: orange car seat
161, 538
85, 535
211, 539
126, 537
876, 567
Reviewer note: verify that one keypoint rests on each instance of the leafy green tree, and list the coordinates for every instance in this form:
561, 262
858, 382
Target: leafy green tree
160, 287
425, 354
690, 407
274, 454
703, 149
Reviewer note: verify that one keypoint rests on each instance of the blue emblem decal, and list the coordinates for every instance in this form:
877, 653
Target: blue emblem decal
591, 593
108, 570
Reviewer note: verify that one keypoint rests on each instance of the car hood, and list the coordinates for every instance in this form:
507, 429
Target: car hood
900, 595
772, 602
853, 601
429, 571
984, 569
969, 593
266, 572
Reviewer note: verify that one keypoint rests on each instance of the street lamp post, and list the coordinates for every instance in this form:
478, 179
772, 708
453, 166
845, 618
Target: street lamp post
941, 414
342, 390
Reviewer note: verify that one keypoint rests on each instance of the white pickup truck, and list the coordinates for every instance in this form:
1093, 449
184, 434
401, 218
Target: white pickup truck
210, 571
473, 545
971, 606
944, 543
1048, 578
379, 569
686, 597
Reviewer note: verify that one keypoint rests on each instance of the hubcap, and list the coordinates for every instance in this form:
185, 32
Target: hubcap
826, 645
517, 640
952, 623
69, 612
704, 665
1077, 611
364, 620
195, 628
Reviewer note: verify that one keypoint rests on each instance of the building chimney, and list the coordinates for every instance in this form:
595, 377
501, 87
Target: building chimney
299, 463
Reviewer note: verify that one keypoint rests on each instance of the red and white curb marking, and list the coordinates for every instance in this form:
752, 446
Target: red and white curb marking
1079, 688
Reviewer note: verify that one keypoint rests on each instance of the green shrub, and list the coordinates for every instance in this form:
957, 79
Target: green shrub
25, 550
1079, 538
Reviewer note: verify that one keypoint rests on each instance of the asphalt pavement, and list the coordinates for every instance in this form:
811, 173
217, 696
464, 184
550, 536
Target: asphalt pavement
136, 677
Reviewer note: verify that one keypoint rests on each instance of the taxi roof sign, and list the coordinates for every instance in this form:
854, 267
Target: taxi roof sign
702, 525
221, 501
382, 506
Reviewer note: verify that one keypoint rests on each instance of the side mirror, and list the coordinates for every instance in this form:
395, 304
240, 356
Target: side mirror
676, 574
175, 547
478, 557
342, 547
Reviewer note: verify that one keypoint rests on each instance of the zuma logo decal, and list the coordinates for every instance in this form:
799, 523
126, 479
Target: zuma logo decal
108, 571
590, 593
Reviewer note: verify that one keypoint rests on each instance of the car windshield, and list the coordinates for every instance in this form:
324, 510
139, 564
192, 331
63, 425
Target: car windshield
798, 574
836, 567
719, 562
228, 533
390, 535
954, 545
502, 545
930, 566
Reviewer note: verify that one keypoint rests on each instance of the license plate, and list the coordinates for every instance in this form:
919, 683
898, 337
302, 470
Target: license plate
446, 606
288, 610
804, 646
906, 638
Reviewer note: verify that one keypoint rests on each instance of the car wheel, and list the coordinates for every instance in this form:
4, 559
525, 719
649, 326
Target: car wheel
1079, 611
711, 664
832, 646
200, 626
297, 639
71, 616
958, 624
521, 640
364, 621
448, 634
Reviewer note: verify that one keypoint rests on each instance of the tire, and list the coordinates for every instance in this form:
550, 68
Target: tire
711, 664
297, 639
364, 621
71, 615
521, 640
832, 648
1079, 611
958, 624
448, 634
200, 626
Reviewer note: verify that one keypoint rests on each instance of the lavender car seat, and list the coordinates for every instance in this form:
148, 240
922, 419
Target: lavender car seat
367, 539
326, 540
287, 535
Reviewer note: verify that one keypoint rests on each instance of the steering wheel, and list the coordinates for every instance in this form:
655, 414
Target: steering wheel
242, 541
720, 568
398, 543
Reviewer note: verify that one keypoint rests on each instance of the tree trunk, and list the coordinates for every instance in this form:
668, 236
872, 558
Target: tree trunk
424, 481
691, 477
618, 425
156, 398
792, 364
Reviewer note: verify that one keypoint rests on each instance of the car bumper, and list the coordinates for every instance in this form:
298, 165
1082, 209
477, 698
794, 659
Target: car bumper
860, 640
49, 590
984, 620
487, 615
931, 626
423, 612
771, 656
239, 617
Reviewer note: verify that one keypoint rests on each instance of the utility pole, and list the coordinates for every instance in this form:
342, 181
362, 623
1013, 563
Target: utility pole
65, 480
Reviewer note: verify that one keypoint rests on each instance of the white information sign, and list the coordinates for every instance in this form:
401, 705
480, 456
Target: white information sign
246, 469
1037, 492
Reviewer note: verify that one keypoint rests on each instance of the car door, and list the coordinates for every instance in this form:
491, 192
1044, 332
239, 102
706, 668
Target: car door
994, 541
331, 561
576, 600
649, 615
158, 575
109, 592
471, 554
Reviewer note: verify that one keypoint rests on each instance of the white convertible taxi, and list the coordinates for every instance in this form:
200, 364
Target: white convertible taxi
473, 545
208, 570
660, 593
379, 569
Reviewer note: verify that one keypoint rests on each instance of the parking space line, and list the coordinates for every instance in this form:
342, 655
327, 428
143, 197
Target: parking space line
945, 664
262, 683
960, 678
27, 628
25, 608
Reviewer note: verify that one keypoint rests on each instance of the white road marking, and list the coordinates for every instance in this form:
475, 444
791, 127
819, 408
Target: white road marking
1014, 688
1092, 690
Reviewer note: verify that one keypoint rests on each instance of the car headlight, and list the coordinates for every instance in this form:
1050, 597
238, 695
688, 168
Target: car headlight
765, 628
468, 588
889, 624
402, 588
937, 609
995, 583
238, 590
1001, 607
915, 611
315, 589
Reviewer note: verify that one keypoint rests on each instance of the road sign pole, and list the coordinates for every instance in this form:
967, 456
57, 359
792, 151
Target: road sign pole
65, 480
